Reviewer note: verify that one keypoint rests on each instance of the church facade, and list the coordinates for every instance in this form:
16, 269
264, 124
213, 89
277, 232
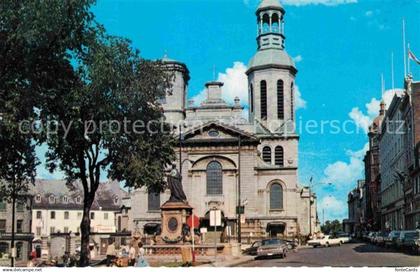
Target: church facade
228, 161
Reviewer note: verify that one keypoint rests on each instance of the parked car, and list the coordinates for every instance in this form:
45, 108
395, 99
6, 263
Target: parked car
371, 236
272, 247
252, 250
344, 237
380, 238
391, 240
410, 241
400, 240
326, 241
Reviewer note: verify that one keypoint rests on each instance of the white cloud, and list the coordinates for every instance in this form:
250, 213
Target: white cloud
342, 174
333, 208
300, 102
235, 85
364, 120
360, 119
317, 2
298, 58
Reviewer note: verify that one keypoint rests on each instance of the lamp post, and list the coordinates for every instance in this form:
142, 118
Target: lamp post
311, 185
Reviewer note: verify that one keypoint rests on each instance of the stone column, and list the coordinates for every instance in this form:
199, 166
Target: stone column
72, 247
44, 248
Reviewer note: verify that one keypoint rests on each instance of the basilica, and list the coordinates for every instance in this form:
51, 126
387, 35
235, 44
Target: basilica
245, 167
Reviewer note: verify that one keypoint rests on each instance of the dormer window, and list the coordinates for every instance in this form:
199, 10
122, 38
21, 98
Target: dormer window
38, 198
52, 199
78, 199
116, 200
65, 199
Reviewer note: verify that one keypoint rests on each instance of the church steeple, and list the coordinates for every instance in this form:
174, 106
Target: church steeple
270, 25
271, 71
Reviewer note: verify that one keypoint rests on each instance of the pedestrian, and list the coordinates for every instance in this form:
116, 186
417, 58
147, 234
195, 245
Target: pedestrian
110, 253
132, 255
141, 261
31, 262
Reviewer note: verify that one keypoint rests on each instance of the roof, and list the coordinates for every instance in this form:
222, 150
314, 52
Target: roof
269, 4
271, 57
108, 196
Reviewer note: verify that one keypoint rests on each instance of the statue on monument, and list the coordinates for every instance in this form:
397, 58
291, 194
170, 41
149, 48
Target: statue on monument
175, 185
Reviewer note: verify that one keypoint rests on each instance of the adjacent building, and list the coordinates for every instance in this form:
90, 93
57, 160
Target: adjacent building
412, 188
57, 212
356, 202
372, 174
224, 157
23, 235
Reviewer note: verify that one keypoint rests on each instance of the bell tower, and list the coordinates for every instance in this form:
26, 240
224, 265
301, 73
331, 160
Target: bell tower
271, 72
174, 101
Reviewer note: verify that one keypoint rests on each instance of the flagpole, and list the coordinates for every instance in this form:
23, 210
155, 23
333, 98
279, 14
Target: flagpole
408, 59
404, 52
392, 70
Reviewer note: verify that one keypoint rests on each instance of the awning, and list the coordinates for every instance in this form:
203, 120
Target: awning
151, 225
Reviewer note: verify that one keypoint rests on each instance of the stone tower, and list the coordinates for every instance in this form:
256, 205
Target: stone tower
271, 72
174, 102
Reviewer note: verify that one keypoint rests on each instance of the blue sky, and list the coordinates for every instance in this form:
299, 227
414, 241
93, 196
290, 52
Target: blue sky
340, 47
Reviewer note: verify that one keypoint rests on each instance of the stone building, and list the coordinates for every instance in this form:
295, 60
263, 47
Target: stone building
23, 235
223, 156
355, 223
57, 211
372, 175
412, 187
392, 157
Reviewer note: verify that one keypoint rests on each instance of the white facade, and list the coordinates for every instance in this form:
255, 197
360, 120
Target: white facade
393, 157
220, 148
45, 221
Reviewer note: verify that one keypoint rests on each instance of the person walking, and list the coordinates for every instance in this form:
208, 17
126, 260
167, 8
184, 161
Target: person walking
132, 255
110, 253
141, 261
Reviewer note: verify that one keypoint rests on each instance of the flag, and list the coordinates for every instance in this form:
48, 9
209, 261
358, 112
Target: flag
413, 57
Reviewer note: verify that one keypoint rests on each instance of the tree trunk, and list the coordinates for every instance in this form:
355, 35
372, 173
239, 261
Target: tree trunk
85, 231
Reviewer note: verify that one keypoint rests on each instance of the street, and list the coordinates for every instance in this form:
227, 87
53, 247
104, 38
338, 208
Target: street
353, 254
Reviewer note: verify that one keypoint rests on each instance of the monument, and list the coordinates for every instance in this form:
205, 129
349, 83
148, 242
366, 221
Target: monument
175, 211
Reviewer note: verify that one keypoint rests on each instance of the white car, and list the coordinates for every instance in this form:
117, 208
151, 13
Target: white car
326, 241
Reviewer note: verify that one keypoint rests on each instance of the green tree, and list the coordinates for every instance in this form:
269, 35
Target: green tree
331, 227
112, 122
35, 37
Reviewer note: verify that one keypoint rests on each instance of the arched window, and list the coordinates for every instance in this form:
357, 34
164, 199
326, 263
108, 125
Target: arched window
153, 201
263, 99
292, 101
266, 154
275, 23
276, 197
280, 99
266, 23
214, 178
279, 156
251, 98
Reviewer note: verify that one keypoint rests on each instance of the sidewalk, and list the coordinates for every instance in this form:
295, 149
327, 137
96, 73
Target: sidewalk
229, 262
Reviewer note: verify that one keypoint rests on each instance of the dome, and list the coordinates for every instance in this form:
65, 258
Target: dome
272, 57
269, 4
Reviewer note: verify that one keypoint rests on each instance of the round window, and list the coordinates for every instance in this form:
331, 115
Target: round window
172, 224
213, 133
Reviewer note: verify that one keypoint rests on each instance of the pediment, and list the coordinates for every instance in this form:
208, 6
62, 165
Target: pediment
217, 132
